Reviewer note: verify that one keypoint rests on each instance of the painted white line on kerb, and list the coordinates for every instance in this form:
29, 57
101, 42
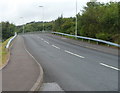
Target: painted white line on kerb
46, 42
51, 87
109, 66
74, 54
55, 47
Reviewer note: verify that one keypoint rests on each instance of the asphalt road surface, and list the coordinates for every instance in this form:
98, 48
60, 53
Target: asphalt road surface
75, 67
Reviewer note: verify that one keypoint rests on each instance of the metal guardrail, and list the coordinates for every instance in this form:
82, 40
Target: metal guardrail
87, 38
8, 44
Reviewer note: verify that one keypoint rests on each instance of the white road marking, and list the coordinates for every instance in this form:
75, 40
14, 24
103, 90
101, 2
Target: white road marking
46, 42
109, 66
74, 54
51, 87
40, 77
41, 38
55, 47
90, 47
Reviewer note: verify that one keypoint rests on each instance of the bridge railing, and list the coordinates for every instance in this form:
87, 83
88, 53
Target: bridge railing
87, 38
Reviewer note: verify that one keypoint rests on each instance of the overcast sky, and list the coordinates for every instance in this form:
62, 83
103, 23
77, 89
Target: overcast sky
12, 10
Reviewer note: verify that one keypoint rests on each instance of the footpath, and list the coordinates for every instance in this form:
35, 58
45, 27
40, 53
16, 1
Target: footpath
21, 72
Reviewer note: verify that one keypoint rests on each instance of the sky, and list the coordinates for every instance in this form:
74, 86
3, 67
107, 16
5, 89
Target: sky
23, 11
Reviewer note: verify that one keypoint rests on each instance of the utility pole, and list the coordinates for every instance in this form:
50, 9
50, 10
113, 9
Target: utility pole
76, 20
43, 16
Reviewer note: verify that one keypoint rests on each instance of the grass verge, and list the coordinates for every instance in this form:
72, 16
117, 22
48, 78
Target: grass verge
4, 53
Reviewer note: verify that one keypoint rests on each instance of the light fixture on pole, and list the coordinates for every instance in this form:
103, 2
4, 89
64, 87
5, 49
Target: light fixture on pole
43, 16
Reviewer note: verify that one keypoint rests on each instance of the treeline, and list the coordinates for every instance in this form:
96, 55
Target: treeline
98, 20
8, 30
35, 26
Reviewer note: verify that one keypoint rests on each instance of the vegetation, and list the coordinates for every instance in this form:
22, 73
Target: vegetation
4, 53
35, 26
97, 20
8, 30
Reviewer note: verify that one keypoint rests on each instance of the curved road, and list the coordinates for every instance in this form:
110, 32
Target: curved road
73, 66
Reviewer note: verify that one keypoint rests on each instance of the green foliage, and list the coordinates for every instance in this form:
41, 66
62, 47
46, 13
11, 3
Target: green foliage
103, 36
97, 20
7, 30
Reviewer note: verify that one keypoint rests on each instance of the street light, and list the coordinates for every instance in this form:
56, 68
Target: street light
76, 20
23, 25
43, 16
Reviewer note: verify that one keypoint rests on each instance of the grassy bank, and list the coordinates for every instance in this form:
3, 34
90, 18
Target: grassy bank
4, 53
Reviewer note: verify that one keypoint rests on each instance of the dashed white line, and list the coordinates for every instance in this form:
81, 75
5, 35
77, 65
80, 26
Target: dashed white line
46, 42
109, 66
74, 54
41, 38
55, 47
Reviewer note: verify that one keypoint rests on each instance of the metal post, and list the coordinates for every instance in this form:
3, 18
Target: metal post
43, 16
76, 20
23, 29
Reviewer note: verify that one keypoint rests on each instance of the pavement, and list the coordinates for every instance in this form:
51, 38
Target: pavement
74, 65
22, 71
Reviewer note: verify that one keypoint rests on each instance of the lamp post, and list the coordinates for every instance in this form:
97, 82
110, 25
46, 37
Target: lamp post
76, 20
23, 26
43, 16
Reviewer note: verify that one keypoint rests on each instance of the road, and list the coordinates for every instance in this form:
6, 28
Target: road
73, 66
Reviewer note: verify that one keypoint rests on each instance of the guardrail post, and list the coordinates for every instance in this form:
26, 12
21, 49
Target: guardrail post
97, 43
82, 39
89, 41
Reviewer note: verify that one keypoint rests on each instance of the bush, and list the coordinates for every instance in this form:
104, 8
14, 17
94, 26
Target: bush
104, 36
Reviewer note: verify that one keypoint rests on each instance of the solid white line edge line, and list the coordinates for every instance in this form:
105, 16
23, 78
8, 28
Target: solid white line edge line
39, 81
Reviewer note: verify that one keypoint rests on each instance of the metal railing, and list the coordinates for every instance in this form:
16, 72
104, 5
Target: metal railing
9, 42
87, 38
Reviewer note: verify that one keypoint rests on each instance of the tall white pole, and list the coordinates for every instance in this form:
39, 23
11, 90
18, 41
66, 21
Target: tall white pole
42, 15
43, 18
76, 20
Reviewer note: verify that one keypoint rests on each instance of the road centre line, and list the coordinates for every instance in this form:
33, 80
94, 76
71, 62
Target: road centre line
55, 47
41, 38
46, 42
109, 66
73, 54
